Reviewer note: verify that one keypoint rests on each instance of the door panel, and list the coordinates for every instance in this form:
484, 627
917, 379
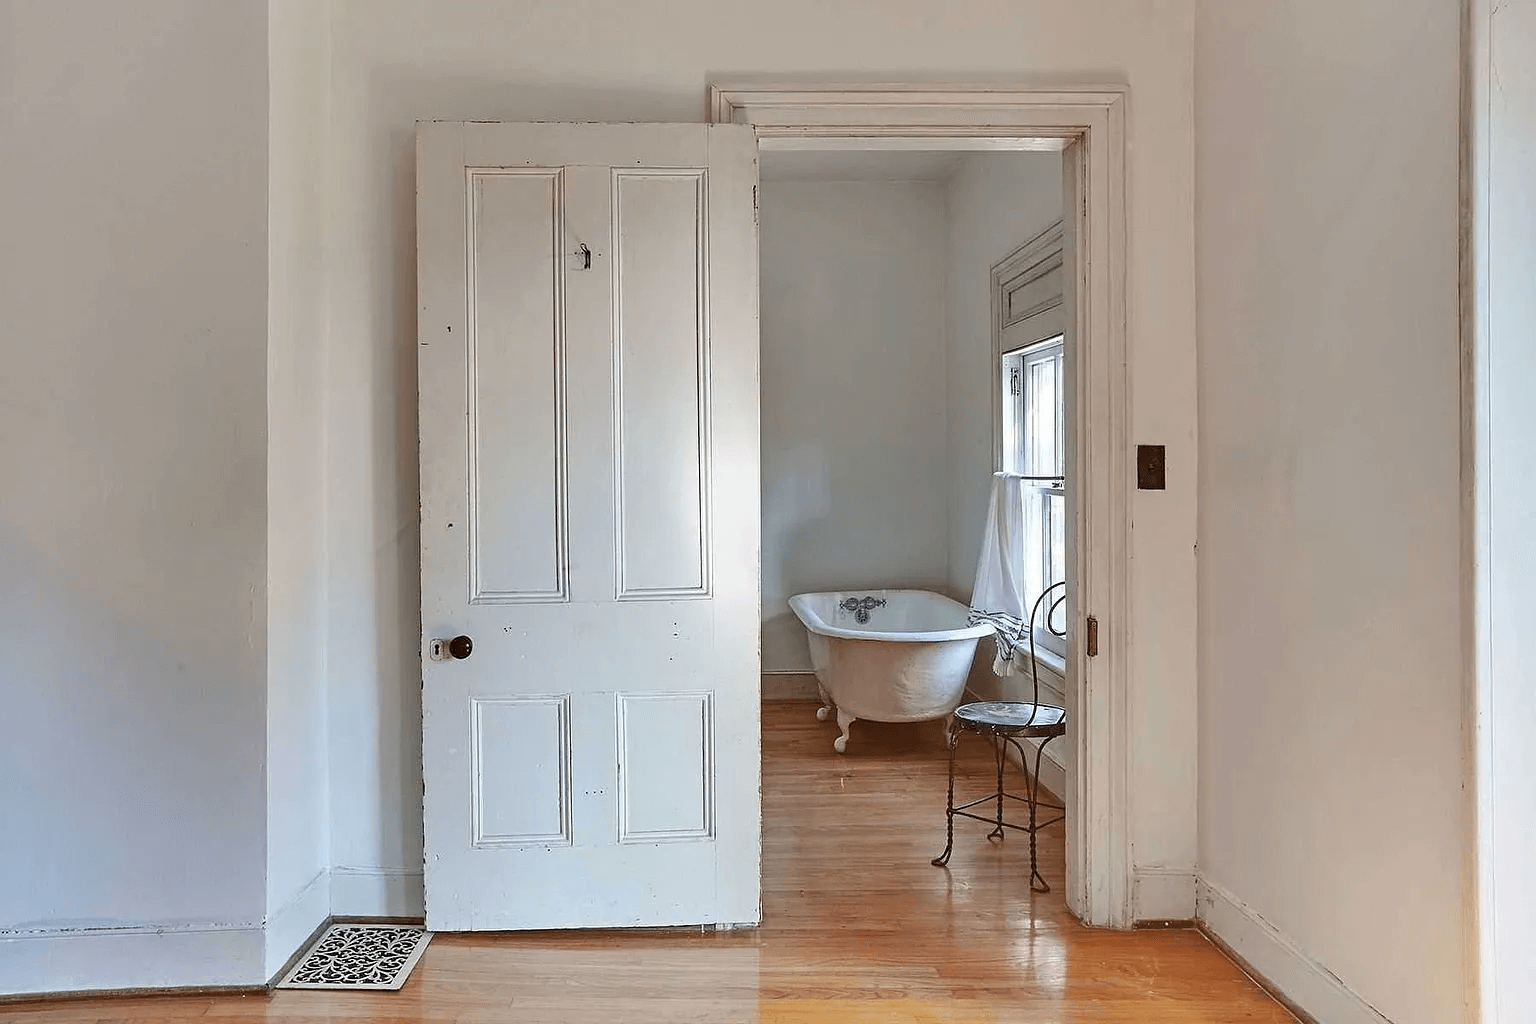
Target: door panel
516, 349
665, 781
521, 771
660, 375
589, 467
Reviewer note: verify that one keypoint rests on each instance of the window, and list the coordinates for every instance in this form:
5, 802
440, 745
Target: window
1034, 434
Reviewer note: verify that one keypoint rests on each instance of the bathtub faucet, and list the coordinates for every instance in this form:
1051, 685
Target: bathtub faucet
861, 607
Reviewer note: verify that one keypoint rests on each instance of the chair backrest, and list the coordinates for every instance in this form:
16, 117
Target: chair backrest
1050, 599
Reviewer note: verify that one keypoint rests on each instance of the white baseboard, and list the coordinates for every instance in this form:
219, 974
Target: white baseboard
196, 955
1312, 988
1162, 894
139, 957
296, 921
790, 686
376, 892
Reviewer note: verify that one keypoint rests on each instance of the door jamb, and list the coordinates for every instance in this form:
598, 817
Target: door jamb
1089, 126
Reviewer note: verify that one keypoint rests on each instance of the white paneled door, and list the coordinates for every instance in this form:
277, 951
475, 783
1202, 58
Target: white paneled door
588, 356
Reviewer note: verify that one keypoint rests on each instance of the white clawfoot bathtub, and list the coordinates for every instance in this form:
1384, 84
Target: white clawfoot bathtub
887, 655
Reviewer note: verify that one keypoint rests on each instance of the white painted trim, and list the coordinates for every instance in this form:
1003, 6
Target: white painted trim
1279, 961
296, 921
1088, 125
1479, 959
1164, 894
790, 111
376, 892
1044, 246
149, 956
1053, 663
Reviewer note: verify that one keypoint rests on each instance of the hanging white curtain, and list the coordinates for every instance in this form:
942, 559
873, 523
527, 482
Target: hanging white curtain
1006, 576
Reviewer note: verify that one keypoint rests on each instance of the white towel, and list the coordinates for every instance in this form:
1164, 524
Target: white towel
1001, 593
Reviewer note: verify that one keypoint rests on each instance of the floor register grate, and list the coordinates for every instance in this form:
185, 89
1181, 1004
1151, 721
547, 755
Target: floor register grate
372, 957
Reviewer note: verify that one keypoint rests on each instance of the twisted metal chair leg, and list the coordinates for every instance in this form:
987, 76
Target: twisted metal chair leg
1000, 747
949, 806
1037, 882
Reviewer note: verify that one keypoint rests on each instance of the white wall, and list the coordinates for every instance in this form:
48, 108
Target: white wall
133, 529
1503, 255
853, 418
996, 203
298, 806
1330, 616
396, 60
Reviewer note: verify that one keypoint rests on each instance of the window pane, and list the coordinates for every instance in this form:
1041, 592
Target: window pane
1043, 401
1057, 560
1034, 552
1040, 406
1059, 410
1013, 407
1034, 420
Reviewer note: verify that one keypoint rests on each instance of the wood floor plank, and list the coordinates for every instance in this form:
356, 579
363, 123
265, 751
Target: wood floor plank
858, 927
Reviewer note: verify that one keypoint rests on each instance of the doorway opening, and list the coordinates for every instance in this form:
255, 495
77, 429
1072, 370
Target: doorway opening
1085, 129
914, 338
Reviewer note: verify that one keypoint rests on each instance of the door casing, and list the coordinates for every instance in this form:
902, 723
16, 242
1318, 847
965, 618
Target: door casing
1088, 127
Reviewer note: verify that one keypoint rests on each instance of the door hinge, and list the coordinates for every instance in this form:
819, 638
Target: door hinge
1093, 637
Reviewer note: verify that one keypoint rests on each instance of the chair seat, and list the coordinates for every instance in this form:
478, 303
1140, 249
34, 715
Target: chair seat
1006, 715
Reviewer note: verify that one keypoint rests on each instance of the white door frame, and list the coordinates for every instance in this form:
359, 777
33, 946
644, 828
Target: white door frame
1089, 126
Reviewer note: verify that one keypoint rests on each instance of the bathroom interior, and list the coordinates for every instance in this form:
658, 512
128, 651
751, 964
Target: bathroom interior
878, 379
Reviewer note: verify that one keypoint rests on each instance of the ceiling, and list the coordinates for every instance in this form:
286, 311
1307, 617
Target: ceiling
857, 165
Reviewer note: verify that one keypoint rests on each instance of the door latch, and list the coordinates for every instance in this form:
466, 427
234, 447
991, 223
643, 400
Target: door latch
456, 649
1093, 637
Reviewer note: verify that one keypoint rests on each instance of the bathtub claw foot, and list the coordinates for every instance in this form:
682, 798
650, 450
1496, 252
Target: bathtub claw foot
822, 713
844, 722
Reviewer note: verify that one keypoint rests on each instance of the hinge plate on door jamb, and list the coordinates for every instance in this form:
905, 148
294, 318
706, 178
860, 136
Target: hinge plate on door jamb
1093, 637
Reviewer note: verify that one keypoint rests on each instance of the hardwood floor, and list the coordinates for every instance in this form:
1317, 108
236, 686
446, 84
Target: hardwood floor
858, 927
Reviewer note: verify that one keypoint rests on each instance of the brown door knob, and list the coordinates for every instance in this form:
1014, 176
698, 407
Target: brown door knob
460, 647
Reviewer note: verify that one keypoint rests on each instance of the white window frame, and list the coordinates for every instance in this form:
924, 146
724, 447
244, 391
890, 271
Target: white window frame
1046, 484
1028, 302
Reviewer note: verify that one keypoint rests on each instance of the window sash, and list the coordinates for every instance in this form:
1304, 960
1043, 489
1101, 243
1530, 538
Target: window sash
1034, 422
1034, 446
1045, 558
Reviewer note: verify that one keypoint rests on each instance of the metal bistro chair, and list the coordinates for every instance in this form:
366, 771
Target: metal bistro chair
1007, 722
